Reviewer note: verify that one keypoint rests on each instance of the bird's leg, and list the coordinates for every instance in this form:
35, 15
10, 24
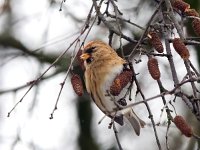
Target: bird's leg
112, 120
128, 92
108, 93
130, 89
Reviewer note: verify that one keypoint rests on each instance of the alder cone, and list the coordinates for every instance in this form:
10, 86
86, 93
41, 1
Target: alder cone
120, 82
191, 12
153, 68
180, 5
182, 125
156, 42
77, 84
181, 49
116, 87
196, 26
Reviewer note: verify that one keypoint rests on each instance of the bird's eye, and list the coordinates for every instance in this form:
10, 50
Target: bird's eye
90, 50
89, 60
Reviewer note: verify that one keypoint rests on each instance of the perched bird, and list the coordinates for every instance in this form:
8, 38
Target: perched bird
102, 65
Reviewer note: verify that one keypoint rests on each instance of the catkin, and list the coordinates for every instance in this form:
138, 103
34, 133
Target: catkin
180, 5
156, 42
196, 26
77, 84
191, 12
182, 125
153, 68
120, 82
181, 49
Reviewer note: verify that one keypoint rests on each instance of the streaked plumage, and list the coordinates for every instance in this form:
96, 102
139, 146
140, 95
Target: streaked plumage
102, 66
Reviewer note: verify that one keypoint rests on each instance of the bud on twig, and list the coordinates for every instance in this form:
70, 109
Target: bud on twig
196, 26
153, 68
156, 42
182, 125
191, 12
181, 49
120, 82
180, 5
77, 84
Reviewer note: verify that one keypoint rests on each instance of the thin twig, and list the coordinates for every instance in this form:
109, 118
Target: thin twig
174, 90
30, 82
194, 69
61, 5
166, 135
194, 88
116, 136
187, 42
126, 20
145, 31
109, 25
117, 14
40, 77
148, 108
168, 49
63, 83
174, 20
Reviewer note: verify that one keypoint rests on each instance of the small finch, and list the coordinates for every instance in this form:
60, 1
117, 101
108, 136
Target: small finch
102, 66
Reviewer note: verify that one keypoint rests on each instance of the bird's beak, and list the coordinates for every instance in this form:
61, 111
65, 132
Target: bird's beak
85, 56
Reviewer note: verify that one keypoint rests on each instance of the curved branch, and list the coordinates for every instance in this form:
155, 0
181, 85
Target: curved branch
60, 70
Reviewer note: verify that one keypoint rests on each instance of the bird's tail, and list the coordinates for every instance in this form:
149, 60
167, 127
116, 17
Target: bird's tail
135, 121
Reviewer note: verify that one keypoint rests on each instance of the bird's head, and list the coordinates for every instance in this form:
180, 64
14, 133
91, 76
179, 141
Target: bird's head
96, 51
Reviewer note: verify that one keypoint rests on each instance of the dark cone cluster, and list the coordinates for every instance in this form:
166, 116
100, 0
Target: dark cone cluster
122, 102
181, 49
153, 68
80, 61
180, 5
77, 84
196, 26
182, 125
191, 12
156, 42
120, 82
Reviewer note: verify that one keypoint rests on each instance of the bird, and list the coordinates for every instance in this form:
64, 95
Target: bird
102, 65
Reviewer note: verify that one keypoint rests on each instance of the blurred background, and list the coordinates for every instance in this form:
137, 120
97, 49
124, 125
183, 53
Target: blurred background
33, 33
